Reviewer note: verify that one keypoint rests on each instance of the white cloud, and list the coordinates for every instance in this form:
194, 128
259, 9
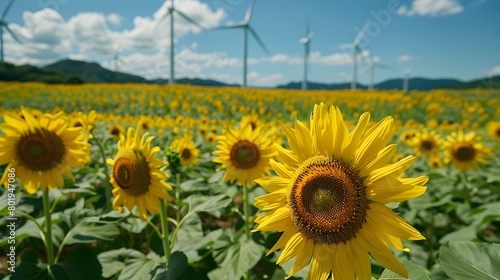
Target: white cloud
114, 19
495, 71
48, 37
404, 58
431, 8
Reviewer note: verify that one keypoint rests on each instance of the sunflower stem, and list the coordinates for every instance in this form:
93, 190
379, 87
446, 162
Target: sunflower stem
164, 228
465, 191
48, 227
246, 212
107, 187
177, 196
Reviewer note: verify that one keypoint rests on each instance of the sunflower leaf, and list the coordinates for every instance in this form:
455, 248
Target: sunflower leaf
209, 204
415, 272
470, 260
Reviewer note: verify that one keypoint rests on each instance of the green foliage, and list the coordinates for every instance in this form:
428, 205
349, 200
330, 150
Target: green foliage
469, 260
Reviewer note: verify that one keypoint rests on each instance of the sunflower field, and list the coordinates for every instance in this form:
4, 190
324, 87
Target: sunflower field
108, 181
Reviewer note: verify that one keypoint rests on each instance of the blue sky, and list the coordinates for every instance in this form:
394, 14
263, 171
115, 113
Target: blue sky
432, 38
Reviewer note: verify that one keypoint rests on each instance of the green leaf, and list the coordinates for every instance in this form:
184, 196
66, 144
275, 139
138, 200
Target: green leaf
82, 263
237, 259
114, 261
415, 272
177, 263
463, 234
89, 232
209, 204
469, 260
139, 267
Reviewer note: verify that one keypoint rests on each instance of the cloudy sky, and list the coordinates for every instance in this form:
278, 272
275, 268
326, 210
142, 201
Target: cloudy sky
432, 38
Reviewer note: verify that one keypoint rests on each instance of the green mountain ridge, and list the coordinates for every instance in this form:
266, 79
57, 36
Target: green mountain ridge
76, 72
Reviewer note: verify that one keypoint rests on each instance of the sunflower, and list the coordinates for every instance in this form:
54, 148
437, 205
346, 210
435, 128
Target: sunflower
464, 151
252, 120
136, 176
41, 150
245, 153
427, 143
116, 130
408, 137
494, 130
187, 150
330, 193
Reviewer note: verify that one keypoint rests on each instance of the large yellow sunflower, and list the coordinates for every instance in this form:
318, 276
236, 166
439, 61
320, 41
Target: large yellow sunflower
464, 151
136, 176
187, 150
41, 150
330, 193
245, 153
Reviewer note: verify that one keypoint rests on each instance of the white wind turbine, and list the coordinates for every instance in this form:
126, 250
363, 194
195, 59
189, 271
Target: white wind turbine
306, 41
406, 81
245, 24
371, 65
116, 59
170, 12
4, 24
356, 51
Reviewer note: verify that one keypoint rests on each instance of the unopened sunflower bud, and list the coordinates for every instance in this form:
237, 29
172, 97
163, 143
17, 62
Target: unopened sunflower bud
174, 160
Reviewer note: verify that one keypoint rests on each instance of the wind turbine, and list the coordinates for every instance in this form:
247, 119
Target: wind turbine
170, 12
356, 51
116, 59
245, 24
372, 64
406, 81
306, 41
4, 24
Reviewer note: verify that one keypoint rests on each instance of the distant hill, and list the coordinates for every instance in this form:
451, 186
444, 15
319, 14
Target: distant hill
76, 72
93, 72
195, 81
417, 84
491, 82
314, 85
28, 73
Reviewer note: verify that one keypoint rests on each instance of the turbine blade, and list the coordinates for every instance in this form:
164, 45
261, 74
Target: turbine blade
366, 69
258, 39
12, 34
160, 21
249, 13
360, 35
190, 20
232, 25
7, 9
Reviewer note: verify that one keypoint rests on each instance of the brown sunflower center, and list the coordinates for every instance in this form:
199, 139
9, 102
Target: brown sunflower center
131, 172
40, 150
115, 131
328, 200
497, 132
464, 152
244, 154
186, 154
427, 145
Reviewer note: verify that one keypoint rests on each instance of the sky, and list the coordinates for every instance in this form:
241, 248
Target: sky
427, 38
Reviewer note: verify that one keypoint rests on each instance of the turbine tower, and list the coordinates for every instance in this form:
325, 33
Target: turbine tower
245, 24
4, 24
371, 65
406, 81
170, 12
306, 41
356, 51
